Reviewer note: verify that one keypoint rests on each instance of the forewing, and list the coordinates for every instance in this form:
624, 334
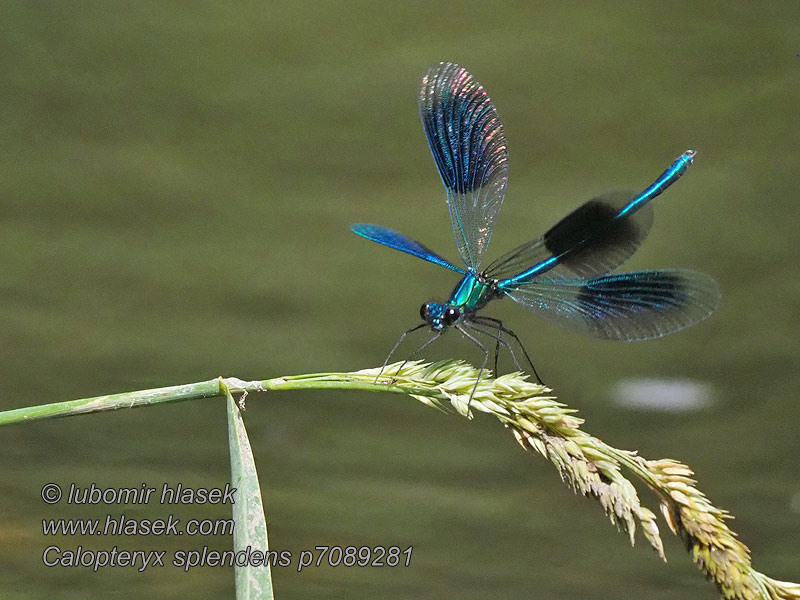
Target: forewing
469, 147
627, 306
401, 242
592, 240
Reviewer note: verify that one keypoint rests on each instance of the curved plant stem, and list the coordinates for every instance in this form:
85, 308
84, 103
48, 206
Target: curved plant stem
539, 423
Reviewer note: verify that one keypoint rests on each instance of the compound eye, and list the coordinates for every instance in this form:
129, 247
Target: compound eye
425, 312
451, 315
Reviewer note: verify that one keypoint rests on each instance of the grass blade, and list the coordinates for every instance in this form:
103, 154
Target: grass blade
250, 533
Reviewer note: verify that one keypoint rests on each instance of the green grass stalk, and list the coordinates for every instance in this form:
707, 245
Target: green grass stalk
539, 423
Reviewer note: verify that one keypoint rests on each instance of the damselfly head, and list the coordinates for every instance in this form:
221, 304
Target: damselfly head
439, 316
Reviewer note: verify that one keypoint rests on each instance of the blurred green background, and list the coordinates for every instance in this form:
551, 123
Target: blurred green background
176, 187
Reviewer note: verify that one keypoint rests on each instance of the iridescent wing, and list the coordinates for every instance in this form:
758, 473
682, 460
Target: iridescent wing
398, 241
592, 240
589, 241
626, 306
469, 147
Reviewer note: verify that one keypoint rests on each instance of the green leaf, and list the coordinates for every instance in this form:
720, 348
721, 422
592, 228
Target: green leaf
250, 533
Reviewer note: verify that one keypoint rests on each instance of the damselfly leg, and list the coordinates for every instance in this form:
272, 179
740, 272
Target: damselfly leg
396, 345
498, 325
483, 364
498, 339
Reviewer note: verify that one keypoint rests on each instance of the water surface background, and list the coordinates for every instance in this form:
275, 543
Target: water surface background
176, 186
